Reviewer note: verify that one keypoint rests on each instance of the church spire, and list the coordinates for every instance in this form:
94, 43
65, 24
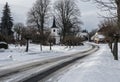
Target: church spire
54, 23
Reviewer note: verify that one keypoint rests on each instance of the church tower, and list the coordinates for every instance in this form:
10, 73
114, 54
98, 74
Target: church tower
55, 32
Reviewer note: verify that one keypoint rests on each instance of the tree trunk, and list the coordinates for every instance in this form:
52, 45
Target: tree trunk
27, 46
50, 46
41, 47
40, 41
115, 50
64, 35
118, 13
110, 44
42, 31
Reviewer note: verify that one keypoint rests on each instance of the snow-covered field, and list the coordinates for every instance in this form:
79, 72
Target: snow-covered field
99, 67
18, 54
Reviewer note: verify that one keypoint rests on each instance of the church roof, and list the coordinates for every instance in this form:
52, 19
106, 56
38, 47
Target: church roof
54, 23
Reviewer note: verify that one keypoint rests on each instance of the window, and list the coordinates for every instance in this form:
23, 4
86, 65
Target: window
53, 30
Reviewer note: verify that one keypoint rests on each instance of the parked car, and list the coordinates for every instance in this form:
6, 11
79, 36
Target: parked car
3, 45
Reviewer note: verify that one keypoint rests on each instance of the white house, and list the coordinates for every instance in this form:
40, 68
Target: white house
83, 34
98, 37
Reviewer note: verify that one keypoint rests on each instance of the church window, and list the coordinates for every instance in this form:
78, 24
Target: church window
54, 30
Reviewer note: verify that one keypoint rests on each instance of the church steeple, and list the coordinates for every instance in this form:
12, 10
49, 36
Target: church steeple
54, 23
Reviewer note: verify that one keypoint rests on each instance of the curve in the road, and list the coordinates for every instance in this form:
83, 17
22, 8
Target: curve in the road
45, 72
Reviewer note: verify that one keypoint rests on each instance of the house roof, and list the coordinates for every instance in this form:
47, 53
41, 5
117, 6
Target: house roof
81, 34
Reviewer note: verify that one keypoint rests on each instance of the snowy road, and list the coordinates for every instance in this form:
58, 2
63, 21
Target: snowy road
32, 70
97, 67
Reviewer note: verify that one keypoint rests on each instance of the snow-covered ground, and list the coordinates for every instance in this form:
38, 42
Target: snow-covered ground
98, 67
17, 54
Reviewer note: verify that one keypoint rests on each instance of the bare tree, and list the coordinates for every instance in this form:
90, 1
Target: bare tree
18, 30
38, 16
67, 15
108, 27
26, 35
112, 6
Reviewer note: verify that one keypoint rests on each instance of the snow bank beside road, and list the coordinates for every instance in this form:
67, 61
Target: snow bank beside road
99, 67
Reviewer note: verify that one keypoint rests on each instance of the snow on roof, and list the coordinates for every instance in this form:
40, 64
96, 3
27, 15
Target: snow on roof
81, 34
100, 36
3, 43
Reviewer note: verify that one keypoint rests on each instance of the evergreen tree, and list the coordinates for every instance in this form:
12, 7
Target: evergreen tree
6, 22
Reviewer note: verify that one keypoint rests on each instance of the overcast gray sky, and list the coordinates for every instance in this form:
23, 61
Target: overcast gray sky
20, 8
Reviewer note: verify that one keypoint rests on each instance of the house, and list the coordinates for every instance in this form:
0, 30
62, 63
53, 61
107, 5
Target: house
55, 32
83, 34
99, 36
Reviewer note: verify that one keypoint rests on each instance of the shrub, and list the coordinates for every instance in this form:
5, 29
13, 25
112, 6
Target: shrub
3, 45
72, 41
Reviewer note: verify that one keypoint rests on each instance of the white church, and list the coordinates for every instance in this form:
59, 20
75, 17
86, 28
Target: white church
55, 32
